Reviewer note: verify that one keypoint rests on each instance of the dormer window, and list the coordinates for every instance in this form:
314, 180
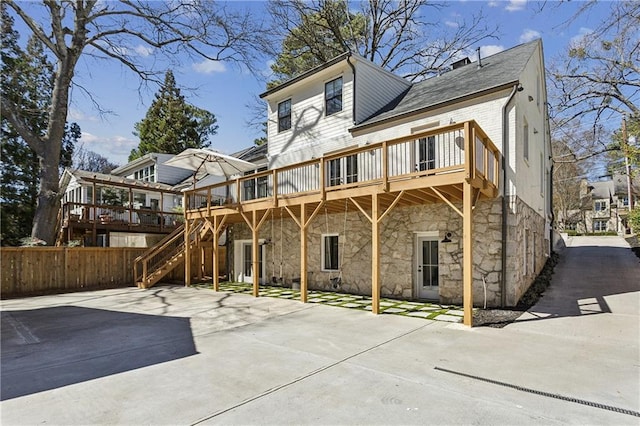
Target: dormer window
284, 115
147, 174
333, 96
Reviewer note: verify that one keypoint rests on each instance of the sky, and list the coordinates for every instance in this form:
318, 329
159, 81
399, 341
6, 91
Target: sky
227, 91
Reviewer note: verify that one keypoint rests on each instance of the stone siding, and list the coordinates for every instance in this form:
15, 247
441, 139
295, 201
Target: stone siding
398, 233
398, 236
525, 259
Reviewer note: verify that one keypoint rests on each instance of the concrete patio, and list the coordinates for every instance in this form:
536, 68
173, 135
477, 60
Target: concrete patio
184, 356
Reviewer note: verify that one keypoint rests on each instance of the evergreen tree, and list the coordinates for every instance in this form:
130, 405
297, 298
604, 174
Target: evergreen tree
320, 36
171, 125
27, 82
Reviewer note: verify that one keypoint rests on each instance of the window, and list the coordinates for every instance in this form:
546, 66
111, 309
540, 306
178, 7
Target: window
334, 172
352, 168
330, 252
625, 201
147, 174
600, 206
426, 154
346, 166
284, 115
525, 250
599, 226
256, 188
543, 170
525, 141
333, 96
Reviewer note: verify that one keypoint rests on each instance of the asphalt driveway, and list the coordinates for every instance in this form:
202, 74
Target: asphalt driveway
183, 356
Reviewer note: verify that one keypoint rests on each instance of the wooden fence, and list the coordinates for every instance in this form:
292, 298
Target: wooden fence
29, 271
42, 270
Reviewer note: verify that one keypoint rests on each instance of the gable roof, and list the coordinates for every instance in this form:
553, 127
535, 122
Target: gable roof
497, 71
84, 176
306, 74
150, 158
253, 153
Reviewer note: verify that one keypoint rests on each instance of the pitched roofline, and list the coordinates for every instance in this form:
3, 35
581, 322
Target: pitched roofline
434, 106
304, 75
84, 176
135, 163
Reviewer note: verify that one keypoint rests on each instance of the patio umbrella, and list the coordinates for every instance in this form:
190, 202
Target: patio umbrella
209, 161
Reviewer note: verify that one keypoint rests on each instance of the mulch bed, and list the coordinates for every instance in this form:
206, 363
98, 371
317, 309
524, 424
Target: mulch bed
498, 318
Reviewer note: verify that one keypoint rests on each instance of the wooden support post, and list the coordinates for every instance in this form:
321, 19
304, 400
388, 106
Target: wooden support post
214, 251
200, 249
130, 205
375, 255
187, 253
94, 230
385, 167
467, 254
254, 255
303, 253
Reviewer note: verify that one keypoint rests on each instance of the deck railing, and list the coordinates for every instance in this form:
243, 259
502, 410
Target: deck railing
119, 215
453, 148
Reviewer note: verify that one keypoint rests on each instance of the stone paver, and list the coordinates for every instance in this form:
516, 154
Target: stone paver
352, 301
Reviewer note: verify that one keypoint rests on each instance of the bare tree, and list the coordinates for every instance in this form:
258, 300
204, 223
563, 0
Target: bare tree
71, 29
567, 177
402, 36
598, 77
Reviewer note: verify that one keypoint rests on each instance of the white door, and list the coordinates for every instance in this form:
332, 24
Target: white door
426, 268
247, 262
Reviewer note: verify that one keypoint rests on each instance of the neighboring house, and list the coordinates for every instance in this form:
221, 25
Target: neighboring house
605, 206
151, 168
374, 185
113, 211
136, 205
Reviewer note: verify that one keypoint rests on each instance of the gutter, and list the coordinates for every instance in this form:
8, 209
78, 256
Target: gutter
353, 69
505, 159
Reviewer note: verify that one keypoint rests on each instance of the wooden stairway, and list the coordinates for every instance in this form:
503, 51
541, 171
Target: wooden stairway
164, 257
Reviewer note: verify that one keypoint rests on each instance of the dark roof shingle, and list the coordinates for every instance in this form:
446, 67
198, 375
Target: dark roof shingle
497, 70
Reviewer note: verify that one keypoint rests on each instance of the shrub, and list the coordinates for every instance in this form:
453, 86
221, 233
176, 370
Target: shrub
634, 220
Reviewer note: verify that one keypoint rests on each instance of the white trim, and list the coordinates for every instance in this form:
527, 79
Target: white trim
238, 259
417, 237
322, 250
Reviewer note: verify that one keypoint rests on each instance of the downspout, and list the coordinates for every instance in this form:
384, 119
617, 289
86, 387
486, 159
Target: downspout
353, 106
505, 207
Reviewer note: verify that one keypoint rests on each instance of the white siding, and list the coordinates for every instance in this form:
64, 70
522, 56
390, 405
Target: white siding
375, 88
312, 134
167, 174
164, 174
485, 110
527, 172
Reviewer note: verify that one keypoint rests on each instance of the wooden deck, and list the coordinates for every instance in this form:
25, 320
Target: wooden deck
456, 164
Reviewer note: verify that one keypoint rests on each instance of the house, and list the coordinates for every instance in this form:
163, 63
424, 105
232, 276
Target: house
135, 205
605, 206
151, 168
374, 185
113, 211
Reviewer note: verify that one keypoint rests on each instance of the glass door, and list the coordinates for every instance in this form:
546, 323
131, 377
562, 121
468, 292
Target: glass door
427, 275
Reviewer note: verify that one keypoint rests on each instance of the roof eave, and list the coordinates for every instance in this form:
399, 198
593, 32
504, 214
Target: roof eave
309, 73
135, 163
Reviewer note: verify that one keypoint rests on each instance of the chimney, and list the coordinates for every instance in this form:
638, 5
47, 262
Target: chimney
479, 60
